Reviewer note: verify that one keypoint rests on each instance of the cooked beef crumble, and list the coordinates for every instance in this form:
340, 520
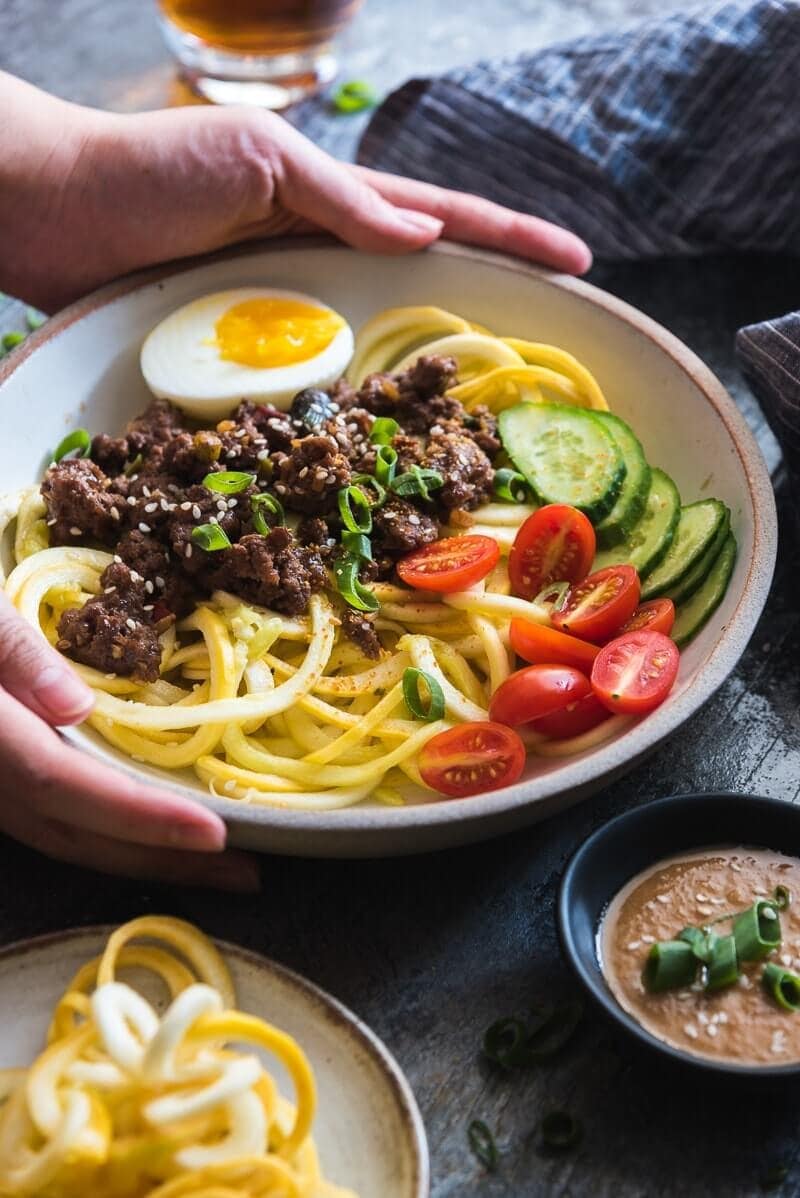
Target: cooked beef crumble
142, 495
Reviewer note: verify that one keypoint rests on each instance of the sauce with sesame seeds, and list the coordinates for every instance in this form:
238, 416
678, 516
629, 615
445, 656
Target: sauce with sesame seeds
740, 1023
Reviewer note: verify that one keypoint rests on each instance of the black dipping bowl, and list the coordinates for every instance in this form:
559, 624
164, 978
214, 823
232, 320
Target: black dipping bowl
641, 838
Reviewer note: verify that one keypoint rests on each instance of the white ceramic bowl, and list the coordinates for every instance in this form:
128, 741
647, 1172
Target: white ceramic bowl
368, 1129
82, 369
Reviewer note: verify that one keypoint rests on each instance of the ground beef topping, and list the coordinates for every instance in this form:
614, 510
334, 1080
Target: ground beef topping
271, 571
308, 479
359, 628
81, 505
466, 470
115, 631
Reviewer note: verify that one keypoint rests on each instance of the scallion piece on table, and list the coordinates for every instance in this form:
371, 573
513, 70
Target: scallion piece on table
354, 96
417, 481
385, 465
357, 544
783, 986
551, 1028
228, 482
670, 964
560, 1131
266, 503
210, 537
505, 1043
510, 486
481, 1141
354, 509
431, 709
345, 571
383, 430
757, 931
79, 441
722, 967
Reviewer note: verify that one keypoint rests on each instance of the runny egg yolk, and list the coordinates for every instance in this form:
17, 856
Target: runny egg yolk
275, 332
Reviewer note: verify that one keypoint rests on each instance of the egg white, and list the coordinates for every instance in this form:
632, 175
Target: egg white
180, 361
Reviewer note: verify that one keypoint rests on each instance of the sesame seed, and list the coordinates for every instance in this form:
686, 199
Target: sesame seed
662, 898
702, 1017
302, 473
321, 473
186, 506
148, 586
648, 939
147, 607
51, 523
133, 478
151, 507
160, 581
131, 501
118, 559
135, 577
712, 1029
634, 944
262, 455
213, 520
75, 531
131, 623
701, 898
165, 507
146, 491
281, 488
232, 503
705, 909
412, 519
144, 527
196, 511
722, 1017
108, 590
768, 913
230, 454
690, 1030
115, 512
189, 550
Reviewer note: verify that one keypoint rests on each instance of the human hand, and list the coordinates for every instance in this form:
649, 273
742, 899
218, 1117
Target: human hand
95, 195
65, 804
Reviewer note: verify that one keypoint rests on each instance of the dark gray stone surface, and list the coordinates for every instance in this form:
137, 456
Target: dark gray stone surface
430, 951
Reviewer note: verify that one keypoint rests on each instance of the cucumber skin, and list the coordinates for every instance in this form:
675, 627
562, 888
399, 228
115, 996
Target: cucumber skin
602, 506
614, 531
726, 558
651, 590
694, 579
661, 481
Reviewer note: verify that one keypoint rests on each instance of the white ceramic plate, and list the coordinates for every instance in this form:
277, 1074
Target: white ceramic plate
82, 369
368, 1129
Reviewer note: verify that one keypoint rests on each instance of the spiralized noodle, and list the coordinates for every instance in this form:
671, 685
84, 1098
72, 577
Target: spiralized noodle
124, 1103
279, 710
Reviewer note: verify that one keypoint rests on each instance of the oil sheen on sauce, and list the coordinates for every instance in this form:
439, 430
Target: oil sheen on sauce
741, 1023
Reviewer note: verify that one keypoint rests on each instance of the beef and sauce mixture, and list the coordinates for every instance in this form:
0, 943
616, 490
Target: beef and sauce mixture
741, 1021
141, 495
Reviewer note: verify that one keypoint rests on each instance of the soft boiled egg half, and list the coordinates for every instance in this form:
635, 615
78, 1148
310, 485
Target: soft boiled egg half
252, 343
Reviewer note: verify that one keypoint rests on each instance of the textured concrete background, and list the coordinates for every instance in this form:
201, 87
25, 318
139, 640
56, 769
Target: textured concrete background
430, 951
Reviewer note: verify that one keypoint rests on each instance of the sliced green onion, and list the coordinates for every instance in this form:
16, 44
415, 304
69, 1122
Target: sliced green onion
366, 480
554, 595
670, 964
266, 503
210, 537
505, 1043
412, 677
228, 482
352, 590
701, 940
757, 931
417, 481
354, 96
551, 1028
358, 544
12, 340
782, 897
384, 430
783, 985
481, 1141
723, 966
33, 319
79, 440
510, 486
560, 1131
354, 508
385, 465
133, 465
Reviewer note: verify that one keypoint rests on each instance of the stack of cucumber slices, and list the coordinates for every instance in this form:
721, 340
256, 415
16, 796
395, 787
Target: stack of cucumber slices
594, 461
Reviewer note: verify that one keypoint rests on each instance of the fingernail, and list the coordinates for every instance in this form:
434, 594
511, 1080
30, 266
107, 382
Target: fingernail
202, 835
63, 694
421, 220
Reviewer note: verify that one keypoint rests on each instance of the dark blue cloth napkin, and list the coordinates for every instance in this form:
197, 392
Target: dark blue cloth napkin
681, 136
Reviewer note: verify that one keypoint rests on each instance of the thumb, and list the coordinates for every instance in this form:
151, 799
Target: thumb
33, 672
324, 192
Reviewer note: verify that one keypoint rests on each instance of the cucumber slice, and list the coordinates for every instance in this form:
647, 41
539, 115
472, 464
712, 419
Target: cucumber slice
692, 581
698, 526
693, 614
651, 536
566, 454
631, 500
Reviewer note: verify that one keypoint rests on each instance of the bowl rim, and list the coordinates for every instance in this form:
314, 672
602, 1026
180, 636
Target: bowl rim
328, 1006
593, 980
606, 760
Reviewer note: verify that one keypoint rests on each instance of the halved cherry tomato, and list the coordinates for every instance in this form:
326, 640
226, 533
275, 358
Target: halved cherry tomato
537, 691
541, 644
574, 719
635, 672
598, 607
471, 758
656, 615
555, 544
451, 564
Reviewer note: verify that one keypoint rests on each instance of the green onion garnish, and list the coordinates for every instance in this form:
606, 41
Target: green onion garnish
133, 465
33, 319
228, 482
481, 1141
701, 940
505, 1043
783, 986
352, 590
210, 537
723, 965
354, 509
417, 481
781, 897
510, 486
366, 480
757, 931
412, 677
269, 504
354, 96
560, 1131
385, 465
12, 340
358, 545
79, 440
670, 964
383, 430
